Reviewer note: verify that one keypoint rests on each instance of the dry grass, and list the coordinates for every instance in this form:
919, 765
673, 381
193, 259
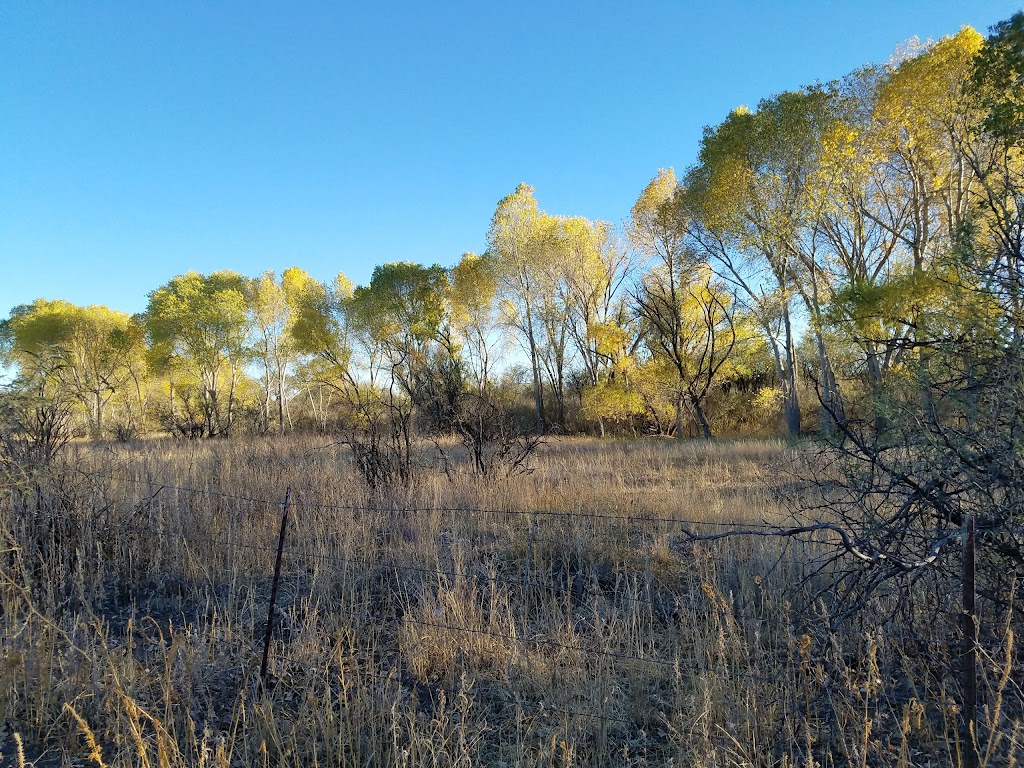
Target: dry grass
556, 618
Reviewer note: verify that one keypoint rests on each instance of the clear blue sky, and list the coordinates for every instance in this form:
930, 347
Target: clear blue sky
141, 140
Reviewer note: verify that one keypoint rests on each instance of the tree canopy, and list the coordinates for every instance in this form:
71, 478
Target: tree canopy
808, 258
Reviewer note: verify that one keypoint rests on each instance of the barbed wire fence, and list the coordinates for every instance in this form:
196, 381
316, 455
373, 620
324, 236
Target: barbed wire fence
683, 530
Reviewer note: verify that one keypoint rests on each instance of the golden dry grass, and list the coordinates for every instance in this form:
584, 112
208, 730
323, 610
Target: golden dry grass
556, 618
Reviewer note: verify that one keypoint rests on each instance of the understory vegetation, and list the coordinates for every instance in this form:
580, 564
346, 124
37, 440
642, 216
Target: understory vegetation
571, 615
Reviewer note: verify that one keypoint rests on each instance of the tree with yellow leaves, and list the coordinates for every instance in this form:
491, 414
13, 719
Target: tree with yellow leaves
516, 240
532, 255
272, 306
87, 354
688, 325
599, 269
746, 209
475, 314
198, 326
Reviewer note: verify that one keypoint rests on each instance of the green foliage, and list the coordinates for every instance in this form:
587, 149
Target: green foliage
320, 319
198, 328
84, 354
841, 208
274, 310
998, 73
475, 314
405, 303
474, 288
199, 320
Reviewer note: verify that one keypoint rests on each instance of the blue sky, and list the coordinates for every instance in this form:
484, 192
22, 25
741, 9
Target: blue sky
141, 140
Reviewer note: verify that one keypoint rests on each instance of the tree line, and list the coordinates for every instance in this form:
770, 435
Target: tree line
800, 274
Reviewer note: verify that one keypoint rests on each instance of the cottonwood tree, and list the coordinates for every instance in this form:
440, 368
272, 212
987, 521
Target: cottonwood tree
198, 326
476, 317
998, 158
746, 211
272, 305
947, 461
923, 184
918, 132
955, 452
322, 332
656, 228
657, 232
686, 315
599, 270
84, 354
349, 361
857, 252
894, 186
554, 263
689, 327
517, 238
560, 281
372, 346
405, 313
321, 324
603, 329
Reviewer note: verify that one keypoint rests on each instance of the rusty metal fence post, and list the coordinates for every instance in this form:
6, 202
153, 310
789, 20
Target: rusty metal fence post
273, 589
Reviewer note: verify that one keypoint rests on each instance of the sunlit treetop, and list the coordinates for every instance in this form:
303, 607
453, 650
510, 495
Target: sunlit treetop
998, 77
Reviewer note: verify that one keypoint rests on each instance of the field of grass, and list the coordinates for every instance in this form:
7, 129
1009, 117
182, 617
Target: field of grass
559, 618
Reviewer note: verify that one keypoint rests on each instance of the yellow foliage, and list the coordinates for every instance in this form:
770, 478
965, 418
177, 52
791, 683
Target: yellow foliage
918, 102
768, 400
611, 401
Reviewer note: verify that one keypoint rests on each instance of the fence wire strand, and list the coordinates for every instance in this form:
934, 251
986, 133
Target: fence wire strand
563, 589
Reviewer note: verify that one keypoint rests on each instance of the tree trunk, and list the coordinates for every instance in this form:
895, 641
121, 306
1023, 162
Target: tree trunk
701, 418
792, 407
280, 400
827, 400
98, 435
538, 389
231, 401
211, 408
792, 399
266, 399
559, 394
